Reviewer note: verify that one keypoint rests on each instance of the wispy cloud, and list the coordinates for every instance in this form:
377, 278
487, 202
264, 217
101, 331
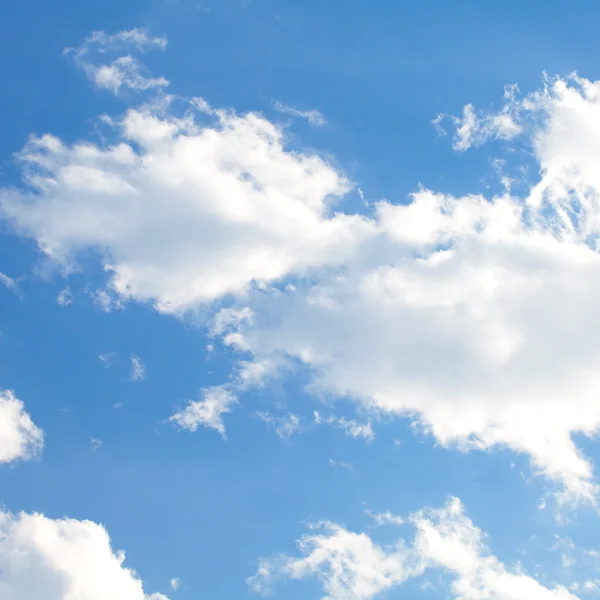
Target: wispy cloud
350, 427
314, 117
385, 518
284, 426
7, 281
138, 369
341, 464
124, 71
106, 358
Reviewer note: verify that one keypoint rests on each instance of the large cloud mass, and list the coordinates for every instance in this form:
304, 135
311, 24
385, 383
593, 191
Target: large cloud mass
63, 559
474, 316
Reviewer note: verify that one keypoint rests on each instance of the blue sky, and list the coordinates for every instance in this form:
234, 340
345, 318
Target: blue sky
299, 299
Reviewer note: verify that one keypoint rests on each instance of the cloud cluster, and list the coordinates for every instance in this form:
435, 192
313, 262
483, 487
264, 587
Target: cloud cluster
473, 316
284, 426
352, 566
20, 438
123, 71
472, 130
350, 427
56, 559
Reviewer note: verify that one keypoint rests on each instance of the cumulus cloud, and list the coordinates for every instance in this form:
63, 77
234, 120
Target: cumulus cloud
470, 315
164, 203
20, 438
353, 566
55, 559
123, 71
207, 412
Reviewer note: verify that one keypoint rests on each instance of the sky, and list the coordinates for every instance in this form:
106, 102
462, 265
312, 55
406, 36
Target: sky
299, 300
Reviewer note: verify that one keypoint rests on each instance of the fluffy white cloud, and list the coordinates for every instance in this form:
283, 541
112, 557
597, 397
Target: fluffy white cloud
472, 316
352, 566
62, 559
192, 213
20, 438
207, 412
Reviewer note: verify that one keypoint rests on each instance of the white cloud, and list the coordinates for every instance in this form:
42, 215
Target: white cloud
95, 444
47, 559
137, 38
165, 233
472, 316
285, 427
106, 358
7, 281
138, 369
64, 297
124, 71
20, 438
385, 518
107, 301
314, 117
472, 130
352, 566
207, 412
175, 583
350, 427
